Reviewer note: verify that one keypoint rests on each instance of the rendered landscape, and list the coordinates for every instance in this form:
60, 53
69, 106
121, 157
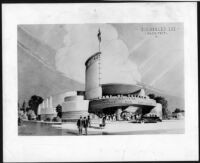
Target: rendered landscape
123, 79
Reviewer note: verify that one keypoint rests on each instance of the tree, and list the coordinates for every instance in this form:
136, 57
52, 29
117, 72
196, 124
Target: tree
34, 103
177, 110
23, 106
31, 115
164, 104
18, 106
152, 96
59, 110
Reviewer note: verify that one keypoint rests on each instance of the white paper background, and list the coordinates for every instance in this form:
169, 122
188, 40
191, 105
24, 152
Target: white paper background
98, 148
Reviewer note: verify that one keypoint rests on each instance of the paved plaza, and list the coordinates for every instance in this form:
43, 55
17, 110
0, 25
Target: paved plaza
111, 128
126, 128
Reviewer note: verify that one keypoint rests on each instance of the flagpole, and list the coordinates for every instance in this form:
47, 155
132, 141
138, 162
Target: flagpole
99, 63
99, 46
99, 39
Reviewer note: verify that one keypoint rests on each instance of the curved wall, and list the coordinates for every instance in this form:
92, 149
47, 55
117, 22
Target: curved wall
93, 93
111, 102
59, 98
74, 114
117, 89
73, 98
74, 107
92, 88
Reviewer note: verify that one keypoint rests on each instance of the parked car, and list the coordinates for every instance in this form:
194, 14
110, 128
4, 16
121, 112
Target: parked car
151, 119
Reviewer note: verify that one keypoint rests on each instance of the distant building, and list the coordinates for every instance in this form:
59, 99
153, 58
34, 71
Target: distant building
179, 115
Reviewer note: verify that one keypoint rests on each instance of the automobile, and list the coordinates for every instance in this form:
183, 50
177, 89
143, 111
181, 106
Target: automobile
151, 119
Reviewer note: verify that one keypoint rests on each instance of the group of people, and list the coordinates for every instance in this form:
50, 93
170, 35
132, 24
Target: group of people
83, 123
108, 117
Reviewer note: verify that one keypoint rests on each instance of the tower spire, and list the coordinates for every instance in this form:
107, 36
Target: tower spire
99, 58
99, 38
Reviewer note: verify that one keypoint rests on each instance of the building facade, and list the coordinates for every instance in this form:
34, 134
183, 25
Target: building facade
113, 98
73, 107
110, 98
92, 77
72, 102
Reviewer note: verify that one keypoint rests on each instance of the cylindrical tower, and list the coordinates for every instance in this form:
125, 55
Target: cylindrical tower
92, 77
73, 107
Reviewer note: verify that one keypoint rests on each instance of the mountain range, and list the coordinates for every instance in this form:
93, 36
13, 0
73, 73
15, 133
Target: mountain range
37, 74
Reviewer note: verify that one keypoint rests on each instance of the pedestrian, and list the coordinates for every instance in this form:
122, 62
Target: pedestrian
80, 125
89, 121
104, 121
85, 124
124, 116
136, 117
19, 121
112, 117
116, 118
100, 122
131, 116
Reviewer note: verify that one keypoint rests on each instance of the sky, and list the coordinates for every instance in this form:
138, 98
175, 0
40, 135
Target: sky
131, 53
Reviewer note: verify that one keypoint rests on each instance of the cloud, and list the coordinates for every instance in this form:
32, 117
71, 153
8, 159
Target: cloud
80, 42
138, 45
165, 71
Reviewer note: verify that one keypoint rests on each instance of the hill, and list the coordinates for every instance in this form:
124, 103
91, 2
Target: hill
36, 70
173, 101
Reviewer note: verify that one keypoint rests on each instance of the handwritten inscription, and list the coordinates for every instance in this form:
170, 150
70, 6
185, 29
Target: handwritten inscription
156, 31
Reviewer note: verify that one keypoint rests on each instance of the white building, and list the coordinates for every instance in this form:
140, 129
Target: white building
73, 105
92, 77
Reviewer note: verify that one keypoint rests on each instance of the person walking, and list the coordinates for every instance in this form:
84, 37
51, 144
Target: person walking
109, 117
104, 121
85, 124
89, 121
112, 117
80, 125
116, 119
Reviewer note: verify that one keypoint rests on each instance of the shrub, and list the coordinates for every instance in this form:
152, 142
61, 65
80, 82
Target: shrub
48, 119
56, 119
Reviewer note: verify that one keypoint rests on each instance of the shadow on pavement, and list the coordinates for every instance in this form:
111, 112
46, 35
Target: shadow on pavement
94, 127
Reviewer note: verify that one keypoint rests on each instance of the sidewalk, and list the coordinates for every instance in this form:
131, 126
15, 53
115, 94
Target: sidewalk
127, 128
